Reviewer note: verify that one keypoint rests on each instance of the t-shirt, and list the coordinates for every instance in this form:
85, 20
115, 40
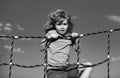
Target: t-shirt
58, 51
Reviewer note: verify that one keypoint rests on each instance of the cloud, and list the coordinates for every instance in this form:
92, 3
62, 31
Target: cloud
74, 17
8, 25
19, 27
115, 18
16, 50
7, 29
1, 24
0, 29
114, 59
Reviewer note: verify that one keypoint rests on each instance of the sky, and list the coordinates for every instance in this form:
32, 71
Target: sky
28, 17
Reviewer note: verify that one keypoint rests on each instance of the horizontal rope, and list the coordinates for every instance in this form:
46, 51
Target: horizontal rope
81, 35
99, 32
22, 66
4, 64
18, 37
39, 65
82, 65
29, 66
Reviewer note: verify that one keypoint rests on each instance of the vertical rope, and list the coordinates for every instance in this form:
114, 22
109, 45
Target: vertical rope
45, 59
11, 58
108, 54
45, 65
78, 50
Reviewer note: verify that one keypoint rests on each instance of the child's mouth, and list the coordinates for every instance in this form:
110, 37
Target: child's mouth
61, 30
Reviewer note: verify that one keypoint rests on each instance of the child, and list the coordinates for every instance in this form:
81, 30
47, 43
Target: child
60, 25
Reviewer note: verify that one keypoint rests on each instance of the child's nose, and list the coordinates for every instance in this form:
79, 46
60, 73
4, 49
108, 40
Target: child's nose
62, 27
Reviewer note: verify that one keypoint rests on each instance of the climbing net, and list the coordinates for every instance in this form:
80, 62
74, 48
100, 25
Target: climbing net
13, 38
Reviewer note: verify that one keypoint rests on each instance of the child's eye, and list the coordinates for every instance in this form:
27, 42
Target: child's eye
59, 24
64, 23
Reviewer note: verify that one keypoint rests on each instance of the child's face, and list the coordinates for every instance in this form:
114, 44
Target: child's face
61, 26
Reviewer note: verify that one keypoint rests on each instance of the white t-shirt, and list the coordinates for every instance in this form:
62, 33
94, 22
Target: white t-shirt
58, 51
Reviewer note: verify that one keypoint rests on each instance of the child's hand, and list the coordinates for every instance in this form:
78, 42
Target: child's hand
74, 34
52, 34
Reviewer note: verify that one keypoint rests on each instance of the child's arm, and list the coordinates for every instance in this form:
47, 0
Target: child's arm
76, 42
50, 34
77, 45
42, 45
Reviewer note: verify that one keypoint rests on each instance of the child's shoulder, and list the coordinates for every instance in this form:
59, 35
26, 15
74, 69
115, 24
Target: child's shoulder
51, 32
74, 34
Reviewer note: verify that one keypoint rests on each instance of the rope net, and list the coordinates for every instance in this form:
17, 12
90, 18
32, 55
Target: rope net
11, 64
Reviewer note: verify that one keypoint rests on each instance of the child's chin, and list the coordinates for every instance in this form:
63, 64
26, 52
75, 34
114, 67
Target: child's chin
62, 33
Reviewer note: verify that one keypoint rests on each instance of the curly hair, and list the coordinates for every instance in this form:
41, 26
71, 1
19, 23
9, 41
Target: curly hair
56, 16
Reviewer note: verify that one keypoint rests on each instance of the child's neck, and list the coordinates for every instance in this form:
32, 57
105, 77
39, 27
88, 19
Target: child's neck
66, 34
